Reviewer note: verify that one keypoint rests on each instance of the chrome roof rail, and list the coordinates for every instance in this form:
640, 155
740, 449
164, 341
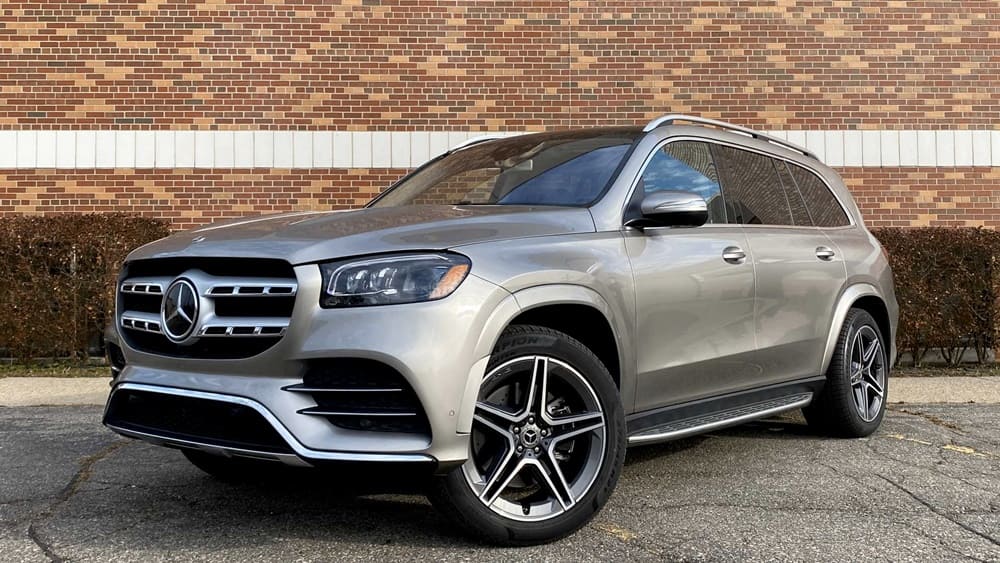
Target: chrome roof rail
475, 141
671, 118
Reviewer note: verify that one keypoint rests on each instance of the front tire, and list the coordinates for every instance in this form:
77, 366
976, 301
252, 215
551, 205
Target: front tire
852, 404
547, 444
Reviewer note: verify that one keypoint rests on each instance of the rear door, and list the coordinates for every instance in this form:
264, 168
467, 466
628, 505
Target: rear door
694, 309
799, 271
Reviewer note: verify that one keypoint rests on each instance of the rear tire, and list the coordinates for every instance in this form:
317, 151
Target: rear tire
852, 403
547, 445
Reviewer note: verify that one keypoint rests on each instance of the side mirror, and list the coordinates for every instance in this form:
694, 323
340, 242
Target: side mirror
670, 209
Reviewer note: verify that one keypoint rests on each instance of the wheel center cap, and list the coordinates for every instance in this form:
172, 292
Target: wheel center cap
530, 436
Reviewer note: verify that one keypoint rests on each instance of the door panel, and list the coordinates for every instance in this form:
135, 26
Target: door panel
796, 295
694, 314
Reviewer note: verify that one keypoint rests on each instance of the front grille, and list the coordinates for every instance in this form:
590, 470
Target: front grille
244, 305
360, 394
203, 421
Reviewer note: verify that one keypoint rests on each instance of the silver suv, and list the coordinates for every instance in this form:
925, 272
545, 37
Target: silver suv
512, 315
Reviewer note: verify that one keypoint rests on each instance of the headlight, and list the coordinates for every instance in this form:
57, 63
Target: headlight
389, 280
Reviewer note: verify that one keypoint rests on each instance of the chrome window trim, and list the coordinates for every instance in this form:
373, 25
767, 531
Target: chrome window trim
301, 450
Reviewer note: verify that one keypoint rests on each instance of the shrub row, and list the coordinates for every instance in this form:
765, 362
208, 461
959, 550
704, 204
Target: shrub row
57, 279
947, 288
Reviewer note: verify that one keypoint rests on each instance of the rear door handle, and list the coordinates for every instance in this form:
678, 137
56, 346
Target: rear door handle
825, 253
734, 255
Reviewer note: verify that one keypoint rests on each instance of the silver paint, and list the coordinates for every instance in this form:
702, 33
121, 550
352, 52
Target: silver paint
688, 322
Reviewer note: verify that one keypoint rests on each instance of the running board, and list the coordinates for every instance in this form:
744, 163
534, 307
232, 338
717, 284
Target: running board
721, 419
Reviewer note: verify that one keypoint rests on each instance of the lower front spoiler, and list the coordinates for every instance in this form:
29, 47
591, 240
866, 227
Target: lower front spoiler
299, 454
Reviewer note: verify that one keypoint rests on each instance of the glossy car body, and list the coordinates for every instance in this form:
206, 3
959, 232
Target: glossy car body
678, 326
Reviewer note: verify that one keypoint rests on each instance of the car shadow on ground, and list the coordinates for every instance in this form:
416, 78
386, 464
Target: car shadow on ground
351, 506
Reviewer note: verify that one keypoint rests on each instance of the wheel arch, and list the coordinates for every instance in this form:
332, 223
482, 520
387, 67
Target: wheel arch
576, 310
863, 296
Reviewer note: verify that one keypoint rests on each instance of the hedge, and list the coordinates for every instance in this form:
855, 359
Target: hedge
947, 288
57, 280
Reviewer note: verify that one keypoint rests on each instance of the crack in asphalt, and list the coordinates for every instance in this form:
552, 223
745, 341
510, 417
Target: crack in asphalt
942, 543
940, 512
83, 473
930, 418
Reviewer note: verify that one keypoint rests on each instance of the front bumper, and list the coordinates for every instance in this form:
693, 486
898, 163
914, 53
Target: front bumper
441, 348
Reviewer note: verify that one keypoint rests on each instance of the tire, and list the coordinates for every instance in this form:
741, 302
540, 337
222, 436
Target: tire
837, 411
230, 469
582, 459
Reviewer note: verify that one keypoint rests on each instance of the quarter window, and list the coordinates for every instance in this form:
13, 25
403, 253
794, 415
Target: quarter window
752, 187
823, 206
685, 166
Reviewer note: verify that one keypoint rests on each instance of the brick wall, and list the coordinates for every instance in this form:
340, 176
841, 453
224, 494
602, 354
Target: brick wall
430, 65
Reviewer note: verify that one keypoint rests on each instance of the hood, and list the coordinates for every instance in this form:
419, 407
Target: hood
317, 236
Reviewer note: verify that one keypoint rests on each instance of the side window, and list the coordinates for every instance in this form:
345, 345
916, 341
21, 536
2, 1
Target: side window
752, 187
800, 213
823, 206
685, 166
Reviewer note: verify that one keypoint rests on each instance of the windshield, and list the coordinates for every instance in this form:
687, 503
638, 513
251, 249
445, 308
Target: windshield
564, 168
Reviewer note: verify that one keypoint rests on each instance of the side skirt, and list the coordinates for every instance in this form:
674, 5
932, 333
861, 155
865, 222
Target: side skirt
705, 415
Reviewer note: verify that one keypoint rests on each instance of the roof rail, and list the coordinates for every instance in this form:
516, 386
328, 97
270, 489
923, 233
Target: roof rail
475, 141
671, 118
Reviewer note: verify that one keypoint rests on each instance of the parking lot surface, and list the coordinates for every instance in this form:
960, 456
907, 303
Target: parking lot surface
926, 487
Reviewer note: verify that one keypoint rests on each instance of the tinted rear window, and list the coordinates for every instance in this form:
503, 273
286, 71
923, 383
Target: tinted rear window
823, 206
751, 185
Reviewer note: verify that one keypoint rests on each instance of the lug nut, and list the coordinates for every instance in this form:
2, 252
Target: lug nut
517, 429
531, 420
545, 432
537, 449
520, 448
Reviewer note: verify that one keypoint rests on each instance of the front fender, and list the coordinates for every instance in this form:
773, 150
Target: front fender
531, 298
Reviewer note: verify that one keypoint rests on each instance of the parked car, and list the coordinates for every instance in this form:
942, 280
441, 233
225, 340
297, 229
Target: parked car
512, 315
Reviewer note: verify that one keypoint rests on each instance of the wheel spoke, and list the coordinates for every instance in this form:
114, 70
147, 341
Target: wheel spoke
506, 470
485, 421
496, 415
861, 398
573, 434
580, 418
550, 472
874, 384
539, 385
870, 355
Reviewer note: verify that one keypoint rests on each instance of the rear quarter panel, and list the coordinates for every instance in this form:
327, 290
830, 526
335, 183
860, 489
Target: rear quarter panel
867, 268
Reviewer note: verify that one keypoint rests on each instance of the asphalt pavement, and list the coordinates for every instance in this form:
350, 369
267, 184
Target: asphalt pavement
926, 487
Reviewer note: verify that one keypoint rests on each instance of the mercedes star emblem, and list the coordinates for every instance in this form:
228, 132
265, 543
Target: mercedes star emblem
179, 310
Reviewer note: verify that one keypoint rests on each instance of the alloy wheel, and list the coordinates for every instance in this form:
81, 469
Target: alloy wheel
867, 365
538, 439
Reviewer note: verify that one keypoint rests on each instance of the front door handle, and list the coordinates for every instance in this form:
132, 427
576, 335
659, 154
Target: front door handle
734, 255
825, 253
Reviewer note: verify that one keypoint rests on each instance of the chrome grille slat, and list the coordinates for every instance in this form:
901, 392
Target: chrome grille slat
145, 286
145, 322
251, 287
270, 327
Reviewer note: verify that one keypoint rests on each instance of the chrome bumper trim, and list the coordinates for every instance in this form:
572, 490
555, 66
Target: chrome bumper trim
303, 453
